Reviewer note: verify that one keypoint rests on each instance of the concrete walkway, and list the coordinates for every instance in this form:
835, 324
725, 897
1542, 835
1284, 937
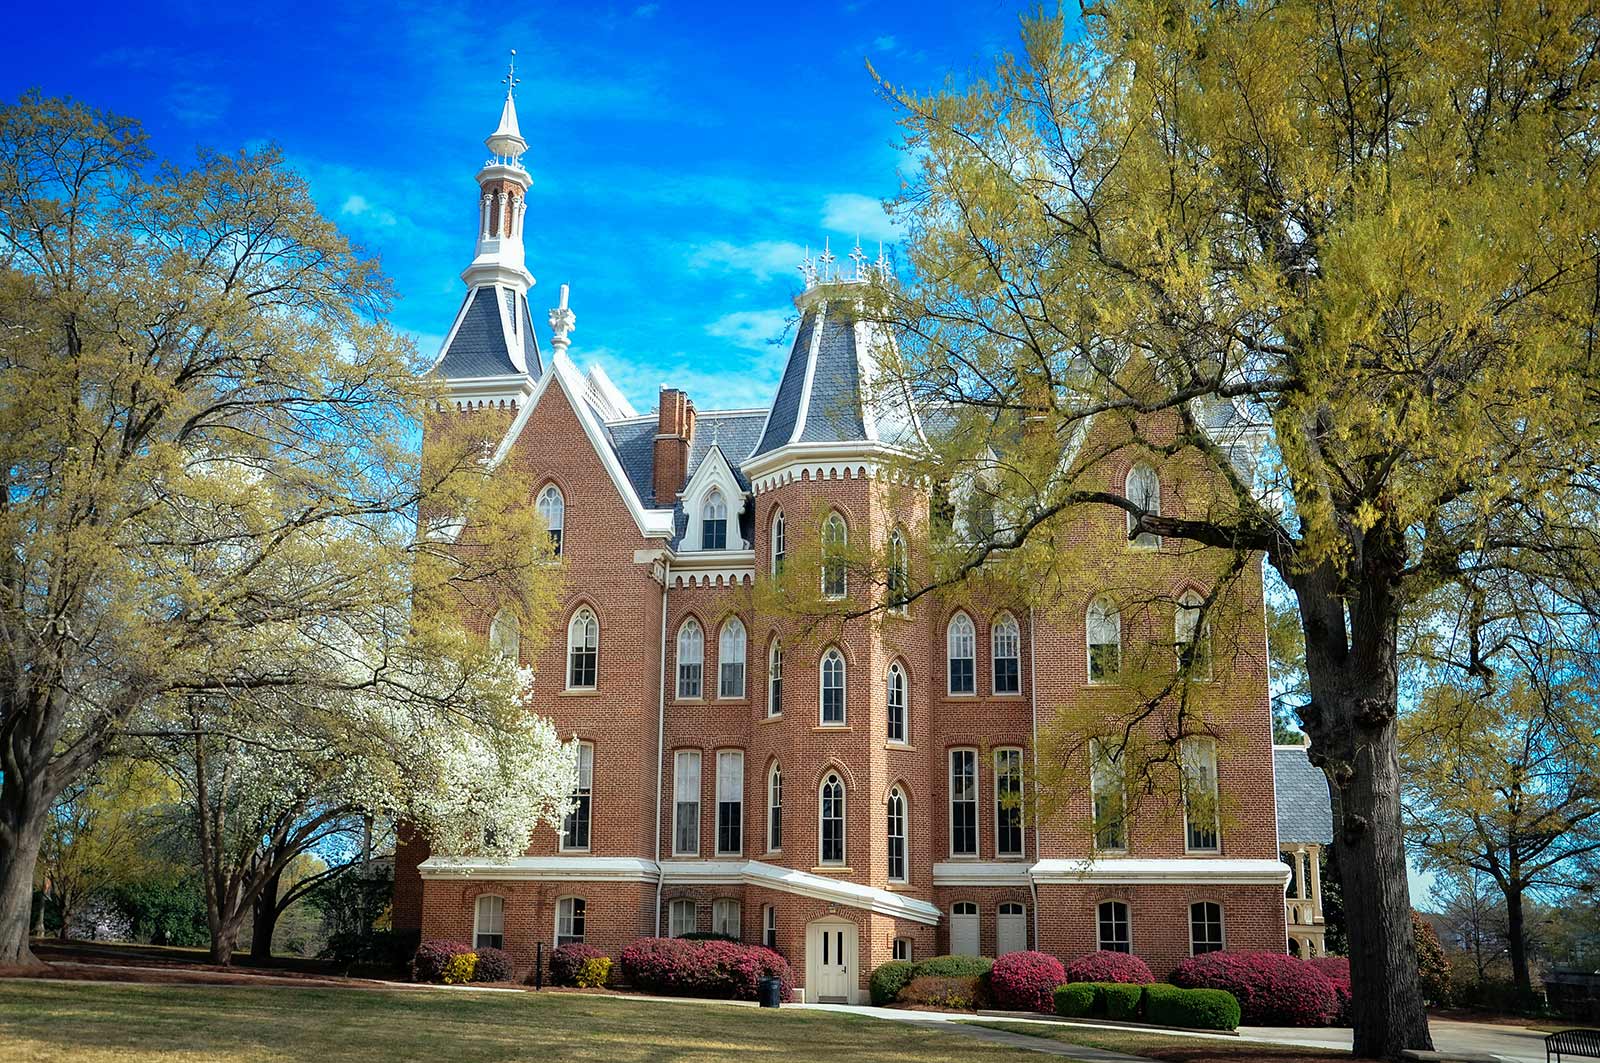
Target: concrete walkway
1514, 1043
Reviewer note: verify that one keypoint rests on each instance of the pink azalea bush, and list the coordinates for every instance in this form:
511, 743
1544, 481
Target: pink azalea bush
432, 960
1273, 988
1026, 981
494, 965
721, 969
1336, 969
1105, 966
567, 962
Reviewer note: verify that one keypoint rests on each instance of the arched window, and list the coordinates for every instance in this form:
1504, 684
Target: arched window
1198, 761
553, 511
835, 538
1116, 935
691, 658
780, 543
833, 688
830, 820
505, 636
774, 808
570, 917
575, 827
1107, 785
1005, 647
895, 697
1104, 628
775, 679
583, 650
1143, 489
730, 659
1205, 928
714, 522
489, 922
897, 835
961, 644
898, 581
1192, 636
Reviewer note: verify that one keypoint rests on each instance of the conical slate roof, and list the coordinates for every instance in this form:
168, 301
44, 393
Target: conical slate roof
484, 345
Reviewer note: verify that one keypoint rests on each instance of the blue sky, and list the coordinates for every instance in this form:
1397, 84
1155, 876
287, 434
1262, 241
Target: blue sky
682, 155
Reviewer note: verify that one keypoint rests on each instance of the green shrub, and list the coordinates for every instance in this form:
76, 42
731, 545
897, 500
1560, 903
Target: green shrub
953, 967
1118, 1000
592, 973
458, 968
1076, 1000
963, 991
1198, 1009
889, 979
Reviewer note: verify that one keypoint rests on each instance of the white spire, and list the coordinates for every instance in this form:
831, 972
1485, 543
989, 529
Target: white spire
502, 203
506, 141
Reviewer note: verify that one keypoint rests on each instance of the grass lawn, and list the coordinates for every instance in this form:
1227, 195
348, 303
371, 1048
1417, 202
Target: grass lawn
90, 1022
1171, 1049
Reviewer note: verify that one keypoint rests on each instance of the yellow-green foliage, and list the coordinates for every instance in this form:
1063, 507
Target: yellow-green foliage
458, 968
593, 973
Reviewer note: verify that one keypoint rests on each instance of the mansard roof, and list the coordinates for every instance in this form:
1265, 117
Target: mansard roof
492, 336
1305, 810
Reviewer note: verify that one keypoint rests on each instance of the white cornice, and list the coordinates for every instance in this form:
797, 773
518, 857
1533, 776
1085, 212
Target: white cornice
474, 392
855, 459
541, 868
980, 873
1136, 870
801, 883
713, 568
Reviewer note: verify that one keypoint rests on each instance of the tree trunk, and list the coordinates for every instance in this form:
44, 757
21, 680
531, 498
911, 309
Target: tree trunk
22, 820
1517, 944
225, 929
266, 921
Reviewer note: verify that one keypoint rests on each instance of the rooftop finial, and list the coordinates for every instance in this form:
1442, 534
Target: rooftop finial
562, 323
506, 141
825, 261
511, 80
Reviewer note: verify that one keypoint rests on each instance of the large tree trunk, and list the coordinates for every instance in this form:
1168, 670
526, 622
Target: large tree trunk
1517, 944
22, 820
226, 922
266, 920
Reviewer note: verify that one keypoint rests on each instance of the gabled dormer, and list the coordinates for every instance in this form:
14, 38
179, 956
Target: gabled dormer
713, 505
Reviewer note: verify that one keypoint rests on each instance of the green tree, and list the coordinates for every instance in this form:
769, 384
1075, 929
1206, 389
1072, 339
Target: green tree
213, 480
1333, 265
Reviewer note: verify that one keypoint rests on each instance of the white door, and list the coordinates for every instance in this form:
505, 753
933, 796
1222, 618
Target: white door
964, 929
831, 962
1011, 930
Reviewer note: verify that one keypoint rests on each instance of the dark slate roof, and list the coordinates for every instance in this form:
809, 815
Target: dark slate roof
786, 406
530, 342
634, 442
834, 412
734, 431
1305, 811
478, 347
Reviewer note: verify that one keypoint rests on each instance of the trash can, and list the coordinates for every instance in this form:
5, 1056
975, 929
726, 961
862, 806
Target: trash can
768, 990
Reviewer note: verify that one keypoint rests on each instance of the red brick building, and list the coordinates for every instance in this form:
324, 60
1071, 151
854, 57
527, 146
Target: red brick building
842, 799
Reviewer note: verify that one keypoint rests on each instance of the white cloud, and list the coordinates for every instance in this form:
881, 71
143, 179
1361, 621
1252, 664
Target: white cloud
753, 330
763, 260
358, 206
856, 215
885, 43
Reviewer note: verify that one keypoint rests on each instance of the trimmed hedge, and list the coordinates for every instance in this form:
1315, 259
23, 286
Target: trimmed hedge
1272, 988
433, 960
953, 966
1199, 1009
1075, 1000
494, 965
964, 991
1026, 981
724, 970
567, 962
1105, 966
887, 981
1119, 1000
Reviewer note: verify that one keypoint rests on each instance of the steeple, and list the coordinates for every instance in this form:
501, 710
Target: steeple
502, 202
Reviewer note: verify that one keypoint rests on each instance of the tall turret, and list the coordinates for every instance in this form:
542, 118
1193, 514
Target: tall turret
502, 204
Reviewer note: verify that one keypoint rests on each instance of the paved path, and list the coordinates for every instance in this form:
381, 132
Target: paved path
1515, 1043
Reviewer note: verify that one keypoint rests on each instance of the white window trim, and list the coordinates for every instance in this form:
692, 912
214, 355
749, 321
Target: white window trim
844, 543
994, 658
775, 675
676, 800
729, 626
504, 629
769, 926
561, 528
1088, 645
690, 624
717, 818
677, 904
1127, 911
905, 832
571, 624
950, 657
1022, 820
775, 771
719, 908
1216, 810
1187, 602
555, 940
894, 949
899, 551
561, 835
844, 821
1095, 755
777, 536
844, 688
950, 803
1222, 922
896, 668
477, 917
1139, 467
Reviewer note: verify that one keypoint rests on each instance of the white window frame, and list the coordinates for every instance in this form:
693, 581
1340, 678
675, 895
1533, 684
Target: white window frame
681, 782
844, 821
895, 699
579, 641
552, 508
675, 908
726, 911
730, 791
833, 653
505, 636
493, 926
897, 578
775, 679
903, 836
769, 927
775, 807
1000, 912
1022, 826
950, 781
835, 537
732, 641
902, 950
584, 791
1109, 616
1005, 626
690, 668
961, 644
1103, 772
1147, 496
574, 912
1205, 749
1221, 924
1127, 922
779, 542
714, 510
1187, 627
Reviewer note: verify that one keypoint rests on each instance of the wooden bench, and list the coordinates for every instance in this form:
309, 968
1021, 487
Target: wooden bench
1559, 1046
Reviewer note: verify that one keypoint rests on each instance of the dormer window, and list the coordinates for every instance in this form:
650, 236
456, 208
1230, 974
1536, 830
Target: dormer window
553, 511
714, 523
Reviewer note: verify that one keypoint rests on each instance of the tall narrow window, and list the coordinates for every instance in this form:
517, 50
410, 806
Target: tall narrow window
583, 650
686, 803
1144, 491
1008, 802
897, 835
553, 511
570, 917
898, 582
961, 646
730, 802
1205, 928
895, 698
775, 679
1104, 626
489, 922
835, 539
963, 802
833, 688
727, 917
730, 659
780, 542
1115, 933
575, 828
1005, 645
714, 522
505, 636
769, 927
691, 658
1198, 757
775, 808
1110, 797
1192, 636
830, 815
681, 918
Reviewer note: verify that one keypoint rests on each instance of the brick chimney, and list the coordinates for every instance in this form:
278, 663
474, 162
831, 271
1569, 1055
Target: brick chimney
674, 432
